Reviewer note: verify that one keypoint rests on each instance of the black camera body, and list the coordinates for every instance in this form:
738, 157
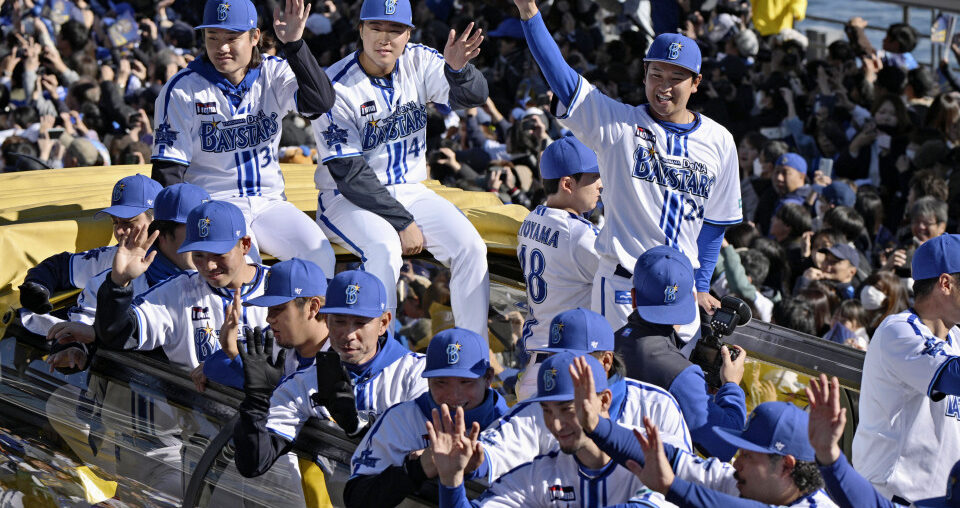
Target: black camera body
732, 313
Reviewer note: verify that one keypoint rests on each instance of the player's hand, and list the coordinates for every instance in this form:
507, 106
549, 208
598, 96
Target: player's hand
133, 256
231, 326
261, 373
411, 239
732, 370
66, 332
656, 474
199, 379
70, 358
35, 298
826, 419
426, 462
585, 399
707, 302
289, 23
461, 49
451, 453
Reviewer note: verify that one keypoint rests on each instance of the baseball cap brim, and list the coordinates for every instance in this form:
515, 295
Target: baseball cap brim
557, 397
681, 313
561, 350
735, 438
353, 311
671, 62
123, 211
386, 18
239, 27
267, 301
213, 247
464, 373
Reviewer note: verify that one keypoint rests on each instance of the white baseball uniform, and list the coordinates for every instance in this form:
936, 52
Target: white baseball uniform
558, 260
908, 437
660, 184
522, 434
386, 125
231, 152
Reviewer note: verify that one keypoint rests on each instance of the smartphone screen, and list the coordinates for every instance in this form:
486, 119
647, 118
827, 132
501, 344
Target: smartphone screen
329, 373
826, 167
883, 141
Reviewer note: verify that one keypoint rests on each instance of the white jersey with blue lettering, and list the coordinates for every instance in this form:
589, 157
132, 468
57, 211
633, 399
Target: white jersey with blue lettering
385, 121
183, 315
908, 436
660, 183
86, 264
558, 260
557, 479
86, 309
522, 434
291, 405
230, 150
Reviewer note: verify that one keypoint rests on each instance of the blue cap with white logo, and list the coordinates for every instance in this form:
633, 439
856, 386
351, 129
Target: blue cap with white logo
233, 15
291, 279
663, 282
778, 428
793, 161
510, 27
398, 11
457, 352
579, 330
675, 49
936, 256
174, 203
356, 293
567, 156
554, 381
132, 195
214, 226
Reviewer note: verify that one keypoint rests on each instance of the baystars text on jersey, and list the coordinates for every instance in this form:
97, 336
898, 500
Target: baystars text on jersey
226, 136
407, 119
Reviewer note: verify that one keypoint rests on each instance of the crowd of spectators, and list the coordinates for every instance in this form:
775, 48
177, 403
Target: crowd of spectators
846, 159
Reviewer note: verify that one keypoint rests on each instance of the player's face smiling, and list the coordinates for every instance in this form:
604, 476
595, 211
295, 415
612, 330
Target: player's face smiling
786, 179
560, 418
668, 88
354, 338
383, 43
123, 227
230, 52
222, 270
458, 391
761, 478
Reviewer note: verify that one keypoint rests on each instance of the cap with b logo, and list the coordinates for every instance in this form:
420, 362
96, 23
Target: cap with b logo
555, 383
793, 161
132, 195
675, 49
663, 282
398, 11
457, 352
578, 330
214, 226
356, 293
567, 156
773, 427
936, 256
175, 202
291, 279
233, 15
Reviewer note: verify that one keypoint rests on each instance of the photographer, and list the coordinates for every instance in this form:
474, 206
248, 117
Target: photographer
662, 290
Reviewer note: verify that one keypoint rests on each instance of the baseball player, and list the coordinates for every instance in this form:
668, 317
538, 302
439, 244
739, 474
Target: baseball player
379, 373
908, 436
555, 245
373, 151
671, 174
390, 463
218, 123
577, 473
523, 433
775, 465
131, 205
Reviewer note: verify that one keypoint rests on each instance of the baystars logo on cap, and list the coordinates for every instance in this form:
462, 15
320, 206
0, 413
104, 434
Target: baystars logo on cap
118, 190
222, 10
670, 293
390, 6
555, 333
203, 227
453, 353
549, 379
674, 51
353, 293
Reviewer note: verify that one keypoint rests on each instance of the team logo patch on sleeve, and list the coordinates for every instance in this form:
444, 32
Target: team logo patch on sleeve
164, 135
334, 135
206, 108
366, 459
643, 134
562, 493
368, 108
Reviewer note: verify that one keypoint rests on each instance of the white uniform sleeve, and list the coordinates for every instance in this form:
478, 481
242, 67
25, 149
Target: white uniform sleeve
724, 206
173, 136
916, 360
157, 321
594, 118
284, 85
431, 64
387, 444
672, 426
584, 253
514, 489
711, 473
336, 132
86, 309
290, 405
86, 264
513, 440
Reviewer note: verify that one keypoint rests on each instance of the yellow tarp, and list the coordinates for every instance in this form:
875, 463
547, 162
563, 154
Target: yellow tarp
46, 212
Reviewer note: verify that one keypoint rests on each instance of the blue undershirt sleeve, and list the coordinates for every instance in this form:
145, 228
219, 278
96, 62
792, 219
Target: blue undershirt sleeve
948, 380
850, 490
686, 494
220, 368
621, 445
453, 497
560, 76
708, 250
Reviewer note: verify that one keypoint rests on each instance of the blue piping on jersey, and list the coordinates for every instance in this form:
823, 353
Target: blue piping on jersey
162, 157
603, 300
341, 156
336, 231
722, 222
576, 95
684, 129
347, 67
170, 87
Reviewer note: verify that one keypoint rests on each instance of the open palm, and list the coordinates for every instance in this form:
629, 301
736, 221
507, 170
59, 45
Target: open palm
288, 24
133, 255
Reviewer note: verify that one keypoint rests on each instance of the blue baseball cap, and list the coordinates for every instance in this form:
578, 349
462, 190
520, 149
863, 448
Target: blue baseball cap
132, 195
555, 383
778, 428
291, 279
843, 251
663, 281
579, 330
398, 11
509, 27
457, 352
675, 49
357, 293
233, 15
936, 256
794, 161
214, 226
839, 194
567, 156
174, 203
952, 499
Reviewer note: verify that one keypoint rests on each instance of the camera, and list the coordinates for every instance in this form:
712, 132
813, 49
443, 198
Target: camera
732, 313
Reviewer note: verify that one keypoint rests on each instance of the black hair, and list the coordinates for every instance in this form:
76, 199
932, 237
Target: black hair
904, 35
552, 185
75, 34
923, 287
922, 82
852, 310
772, 150
870, 206
779, 277
301, 302
841, 50
165, 227
796, 217
892, 78
742, 234
846, 221
805, 474
927, 182
756, 265
25, 116
795, 314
